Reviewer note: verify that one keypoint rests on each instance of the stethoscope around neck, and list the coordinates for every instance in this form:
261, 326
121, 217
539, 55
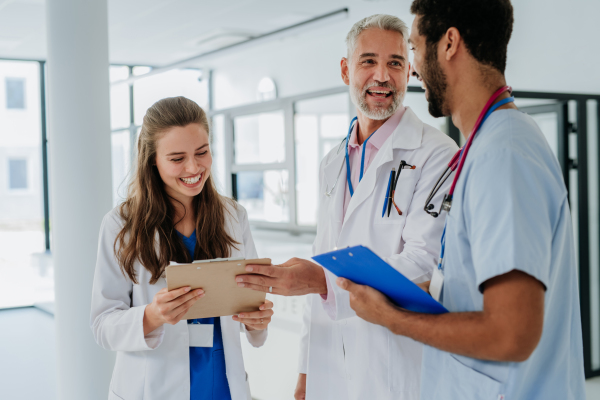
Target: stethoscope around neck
458, 160
346, 140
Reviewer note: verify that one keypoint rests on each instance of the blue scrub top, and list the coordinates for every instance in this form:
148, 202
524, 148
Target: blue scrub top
208, 379
510, 212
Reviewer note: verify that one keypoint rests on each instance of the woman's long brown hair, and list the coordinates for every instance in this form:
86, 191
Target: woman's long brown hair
149, 234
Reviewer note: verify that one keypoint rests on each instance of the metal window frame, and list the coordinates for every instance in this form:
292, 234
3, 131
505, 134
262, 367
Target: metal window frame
286, 105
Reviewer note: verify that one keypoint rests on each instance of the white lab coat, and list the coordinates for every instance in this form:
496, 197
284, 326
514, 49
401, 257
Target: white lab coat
156, 367
344, 356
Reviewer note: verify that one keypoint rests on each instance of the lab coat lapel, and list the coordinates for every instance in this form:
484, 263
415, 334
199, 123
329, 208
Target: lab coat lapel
407, 135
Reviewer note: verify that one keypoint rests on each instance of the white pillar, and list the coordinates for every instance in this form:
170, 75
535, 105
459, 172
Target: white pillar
80, 184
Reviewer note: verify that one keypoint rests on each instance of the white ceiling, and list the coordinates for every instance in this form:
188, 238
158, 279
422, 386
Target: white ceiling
553, 47
159, 32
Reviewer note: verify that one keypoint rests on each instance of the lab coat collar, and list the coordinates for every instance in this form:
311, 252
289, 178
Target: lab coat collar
408, 135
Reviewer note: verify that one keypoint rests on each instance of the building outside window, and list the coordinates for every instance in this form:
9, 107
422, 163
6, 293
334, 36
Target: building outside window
17, 174
15, 93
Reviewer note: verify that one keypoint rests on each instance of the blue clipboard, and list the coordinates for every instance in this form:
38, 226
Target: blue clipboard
362, 266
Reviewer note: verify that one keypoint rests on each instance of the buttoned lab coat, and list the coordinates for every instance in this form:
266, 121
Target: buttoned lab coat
344, 356
156, 367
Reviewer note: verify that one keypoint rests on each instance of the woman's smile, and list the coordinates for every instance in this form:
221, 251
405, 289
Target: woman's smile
192, 181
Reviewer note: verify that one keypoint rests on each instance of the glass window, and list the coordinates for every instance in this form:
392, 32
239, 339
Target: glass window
121, 164
24, 276
259, 138
141, 70
319, 125
217, 148
119, 98
179, 82
264, 194
418, 103
547, 116
548, 123
17, 174
15, 93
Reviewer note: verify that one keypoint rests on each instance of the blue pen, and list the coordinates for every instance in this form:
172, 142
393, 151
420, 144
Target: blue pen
387, 195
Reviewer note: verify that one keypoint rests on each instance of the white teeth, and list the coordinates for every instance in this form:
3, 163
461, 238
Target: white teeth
191, 181
378, 91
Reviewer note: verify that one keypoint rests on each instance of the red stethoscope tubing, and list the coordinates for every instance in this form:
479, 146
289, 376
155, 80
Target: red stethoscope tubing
458, 160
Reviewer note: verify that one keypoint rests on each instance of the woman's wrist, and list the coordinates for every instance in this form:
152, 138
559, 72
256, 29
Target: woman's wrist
151, 323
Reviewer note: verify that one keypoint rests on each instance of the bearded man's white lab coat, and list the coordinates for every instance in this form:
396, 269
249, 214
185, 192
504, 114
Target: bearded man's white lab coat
344, 356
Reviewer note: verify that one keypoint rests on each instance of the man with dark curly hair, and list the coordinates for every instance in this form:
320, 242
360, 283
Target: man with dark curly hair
508, 272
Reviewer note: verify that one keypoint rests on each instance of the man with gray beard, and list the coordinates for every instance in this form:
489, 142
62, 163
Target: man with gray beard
343, 356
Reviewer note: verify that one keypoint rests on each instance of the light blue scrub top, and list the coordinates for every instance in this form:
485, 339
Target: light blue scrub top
510, 211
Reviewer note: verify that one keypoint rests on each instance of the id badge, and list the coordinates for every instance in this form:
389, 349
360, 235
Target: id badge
201, 335
435, 286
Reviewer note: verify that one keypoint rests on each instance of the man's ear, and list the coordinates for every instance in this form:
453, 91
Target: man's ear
345, 70
450, 43
409, 72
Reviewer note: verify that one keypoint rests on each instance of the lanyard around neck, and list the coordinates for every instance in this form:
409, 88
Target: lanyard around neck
487, 111
362, 160
462, 154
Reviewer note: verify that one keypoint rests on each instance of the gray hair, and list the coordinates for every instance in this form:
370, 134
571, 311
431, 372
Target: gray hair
381, 21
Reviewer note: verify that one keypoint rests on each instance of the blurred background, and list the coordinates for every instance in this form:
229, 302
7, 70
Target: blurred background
267, 72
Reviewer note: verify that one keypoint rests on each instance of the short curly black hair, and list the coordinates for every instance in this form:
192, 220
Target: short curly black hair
485, 25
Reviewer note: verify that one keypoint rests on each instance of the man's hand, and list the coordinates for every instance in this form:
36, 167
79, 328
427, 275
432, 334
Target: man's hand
295, 277
369, 304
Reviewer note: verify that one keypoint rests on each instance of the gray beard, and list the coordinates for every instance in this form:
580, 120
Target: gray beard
359, 99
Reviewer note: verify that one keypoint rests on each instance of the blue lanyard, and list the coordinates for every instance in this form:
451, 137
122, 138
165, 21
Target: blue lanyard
490, 111
362, 161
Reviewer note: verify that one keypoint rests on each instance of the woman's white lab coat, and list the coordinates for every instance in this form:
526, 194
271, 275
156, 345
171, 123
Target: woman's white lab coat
344, 356
156, 366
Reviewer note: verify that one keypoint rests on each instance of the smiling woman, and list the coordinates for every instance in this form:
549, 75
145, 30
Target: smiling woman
172, 213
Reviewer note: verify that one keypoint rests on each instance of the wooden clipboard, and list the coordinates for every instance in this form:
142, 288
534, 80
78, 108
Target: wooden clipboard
217, 278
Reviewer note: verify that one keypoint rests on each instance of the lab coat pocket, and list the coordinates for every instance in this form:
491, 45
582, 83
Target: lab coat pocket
128, 376
403, 195
465, 383
113, 396
404, 361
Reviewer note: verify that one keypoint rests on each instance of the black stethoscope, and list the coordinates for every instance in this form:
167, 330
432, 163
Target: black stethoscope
458, 160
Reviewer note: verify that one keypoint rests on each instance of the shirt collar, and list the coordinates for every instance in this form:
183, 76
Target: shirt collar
382, 134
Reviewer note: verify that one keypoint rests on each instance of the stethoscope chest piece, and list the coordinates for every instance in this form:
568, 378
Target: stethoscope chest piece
447, 203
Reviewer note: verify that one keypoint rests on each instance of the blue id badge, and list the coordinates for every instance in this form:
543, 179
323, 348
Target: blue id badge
201, 335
